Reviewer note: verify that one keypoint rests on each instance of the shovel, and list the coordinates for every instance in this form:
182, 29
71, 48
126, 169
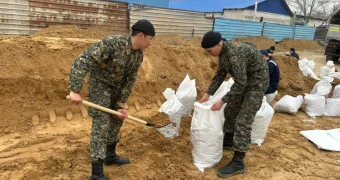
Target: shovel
104, 109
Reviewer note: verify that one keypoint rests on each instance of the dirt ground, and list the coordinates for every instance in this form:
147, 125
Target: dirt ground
34, 81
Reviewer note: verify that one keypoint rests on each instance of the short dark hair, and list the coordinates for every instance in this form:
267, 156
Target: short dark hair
272, 48
292, 49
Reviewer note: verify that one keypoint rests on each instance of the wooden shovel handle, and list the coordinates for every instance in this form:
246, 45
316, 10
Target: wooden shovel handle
111, 111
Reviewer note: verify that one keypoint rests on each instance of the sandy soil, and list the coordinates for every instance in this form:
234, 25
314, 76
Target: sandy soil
34, 80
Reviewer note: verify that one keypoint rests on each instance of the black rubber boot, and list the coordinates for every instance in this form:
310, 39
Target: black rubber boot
235, 166
112, 158
98, 171
228, 140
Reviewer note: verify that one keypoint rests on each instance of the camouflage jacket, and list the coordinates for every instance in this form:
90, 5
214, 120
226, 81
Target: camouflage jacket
246, 66
111, 61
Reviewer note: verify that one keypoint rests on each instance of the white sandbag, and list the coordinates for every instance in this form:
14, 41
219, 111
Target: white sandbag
324, 139
303, 63
332, 107
336, 92
330, 63
315, 104
334, 75
307, 71
288, 104
206, 135
186, 94
261, 122
324, 70
172, 107
222, 90
311, 64
322, 88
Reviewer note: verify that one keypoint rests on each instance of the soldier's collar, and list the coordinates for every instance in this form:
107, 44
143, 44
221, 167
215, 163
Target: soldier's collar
128, 47
224, 48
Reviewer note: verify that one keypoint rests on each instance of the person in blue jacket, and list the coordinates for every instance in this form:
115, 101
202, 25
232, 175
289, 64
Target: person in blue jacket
274, 77
293, 53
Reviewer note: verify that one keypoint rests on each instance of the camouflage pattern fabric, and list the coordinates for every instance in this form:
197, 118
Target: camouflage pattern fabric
111, 61
113, 67
250, 73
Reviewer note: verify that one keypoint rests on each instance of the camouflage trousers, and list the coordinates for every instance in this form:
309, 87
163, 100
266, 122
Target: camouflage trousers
105, 126
239, 115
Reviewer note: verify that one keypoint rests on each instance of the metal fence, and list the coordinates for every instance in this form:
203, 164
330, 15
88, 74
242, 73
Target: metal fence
172, 21
231, 29
23, 17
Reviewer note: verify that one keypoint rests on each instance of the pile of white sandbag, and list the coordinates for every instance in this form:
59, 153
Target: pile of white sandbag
307, 68
178, 104
329, 71
333, 104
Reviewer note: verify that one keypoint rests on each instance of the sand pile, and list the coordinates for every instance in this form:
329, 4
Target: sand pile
299, 45
292, 81
34, 77
73, 31
261, 42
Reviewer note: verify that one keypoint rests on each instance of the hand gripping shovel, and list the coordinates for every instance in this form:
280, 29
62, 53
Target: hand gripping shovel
119, 114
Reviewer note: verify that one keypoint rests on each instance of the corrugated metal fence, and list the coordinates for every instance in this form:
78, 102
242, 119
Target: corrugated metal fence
23, 17
171, 21
237, 28
233, 28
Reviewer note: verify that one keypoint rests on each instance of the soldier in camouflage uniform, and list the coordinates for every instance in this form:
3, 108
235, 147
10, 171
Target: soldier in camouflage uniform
113, 65
250, 73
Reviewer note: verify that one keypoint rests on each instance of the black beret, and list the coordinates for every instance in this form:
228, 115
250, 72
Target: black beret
211, 39
145, 27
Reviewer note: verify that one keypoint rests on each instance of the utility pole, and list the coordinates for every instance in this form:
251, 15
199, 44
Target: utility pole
255, 10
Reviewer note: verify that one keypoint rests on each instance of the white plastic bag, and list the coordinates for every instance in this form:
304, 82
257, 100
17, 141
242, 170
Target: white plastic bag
172, 107
186, 94
206, 135
336, 92
289, 104
322, 88
332, 107
222, 90
315, 104
261, 122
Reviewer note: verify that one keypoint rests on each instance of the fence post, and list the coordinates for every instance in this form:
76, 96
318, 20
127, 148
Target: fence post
263, 26
294, 32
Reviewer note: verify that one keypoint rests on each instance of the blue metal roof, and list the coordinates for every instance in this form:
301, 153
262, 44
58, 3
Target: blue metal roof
211, 5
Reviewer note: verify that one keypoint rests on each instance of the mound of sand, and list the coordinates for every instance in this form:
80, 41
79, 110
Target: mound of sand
34, 78
261, 42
